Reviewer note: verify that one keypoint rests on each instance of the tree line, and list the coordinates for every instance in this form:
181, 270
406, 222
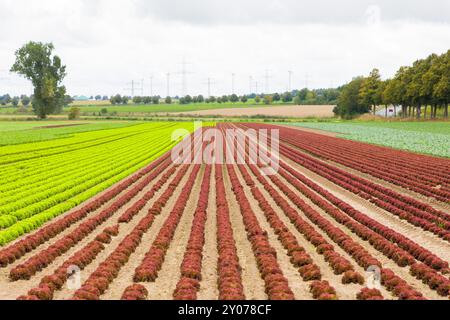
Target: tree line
419, 90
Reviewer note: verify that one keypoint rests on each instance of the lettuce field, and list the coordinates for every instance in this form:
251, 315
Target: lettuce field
105, 213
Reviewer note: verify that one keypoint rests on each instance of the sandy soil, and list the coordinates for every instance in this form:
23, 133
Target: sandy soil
344, 292
298, 287
168, 276
251, 278
208, 288
365, 208
426, 239
273, 111
125, 277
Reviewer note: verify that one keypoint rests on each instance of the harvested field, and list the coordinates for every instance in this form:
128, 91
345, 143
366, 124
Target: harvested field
272, 111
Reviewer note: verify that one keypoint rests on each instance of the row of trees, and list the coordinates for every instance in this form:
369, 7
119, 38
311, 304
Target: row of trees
415, 89
118, 99
316, 96
15, 101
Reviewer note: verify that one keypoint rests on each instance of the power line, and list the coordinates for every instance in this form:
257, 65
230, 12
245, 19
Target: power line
307, 78
135, 87
209, 82
233, 78
168, 83
267, 77
290, 81
184, 73
151, 85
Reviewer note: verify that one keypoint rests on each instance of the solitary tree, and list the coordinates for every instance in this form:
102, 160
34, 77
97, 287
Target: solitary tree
36, 63
168, 100
244, 99
74, 113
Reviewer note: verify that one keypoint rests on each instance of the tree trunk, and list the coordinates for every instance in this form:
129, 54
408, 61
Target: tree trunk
419, 111
446, 110
386, 111
374, 110
395, 111
425, 114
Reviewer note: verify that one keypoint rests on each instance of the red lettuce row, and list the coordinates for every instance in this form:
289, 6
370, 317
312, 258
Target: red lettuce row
17, 250
339, 264
135, 292
369, 294
99, 281
81, 259
431, 278
417, 251
404, 211
42, 259
361, 256
423, 185
191, 267
228, 267
321, 290
153, 260
277, 287
405, 164
131, 212
401, 257
368, 189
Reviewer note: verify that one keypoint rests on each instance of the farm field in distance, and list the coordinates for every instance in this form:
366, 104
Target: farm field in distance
422, 137
108, 199
145, 109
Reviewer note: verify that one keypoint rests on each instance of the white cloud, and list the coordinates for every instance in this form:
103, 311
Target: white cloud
107, 43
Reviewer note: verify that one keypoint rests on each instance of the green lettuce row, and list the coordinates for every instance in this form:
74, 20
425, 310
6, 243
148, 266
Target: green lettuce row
51, 175
27, 225
31, 195
35, 171
47, 198
78, 139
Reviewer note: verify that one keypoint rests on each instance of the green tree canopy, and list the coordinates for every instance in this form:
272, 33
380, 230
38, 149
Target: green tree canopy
349, 102
371, 90
35, 61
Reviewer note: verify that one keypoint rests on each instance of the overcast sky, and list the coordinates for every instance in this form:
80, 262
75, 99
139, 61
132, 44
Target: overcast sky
107, 43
